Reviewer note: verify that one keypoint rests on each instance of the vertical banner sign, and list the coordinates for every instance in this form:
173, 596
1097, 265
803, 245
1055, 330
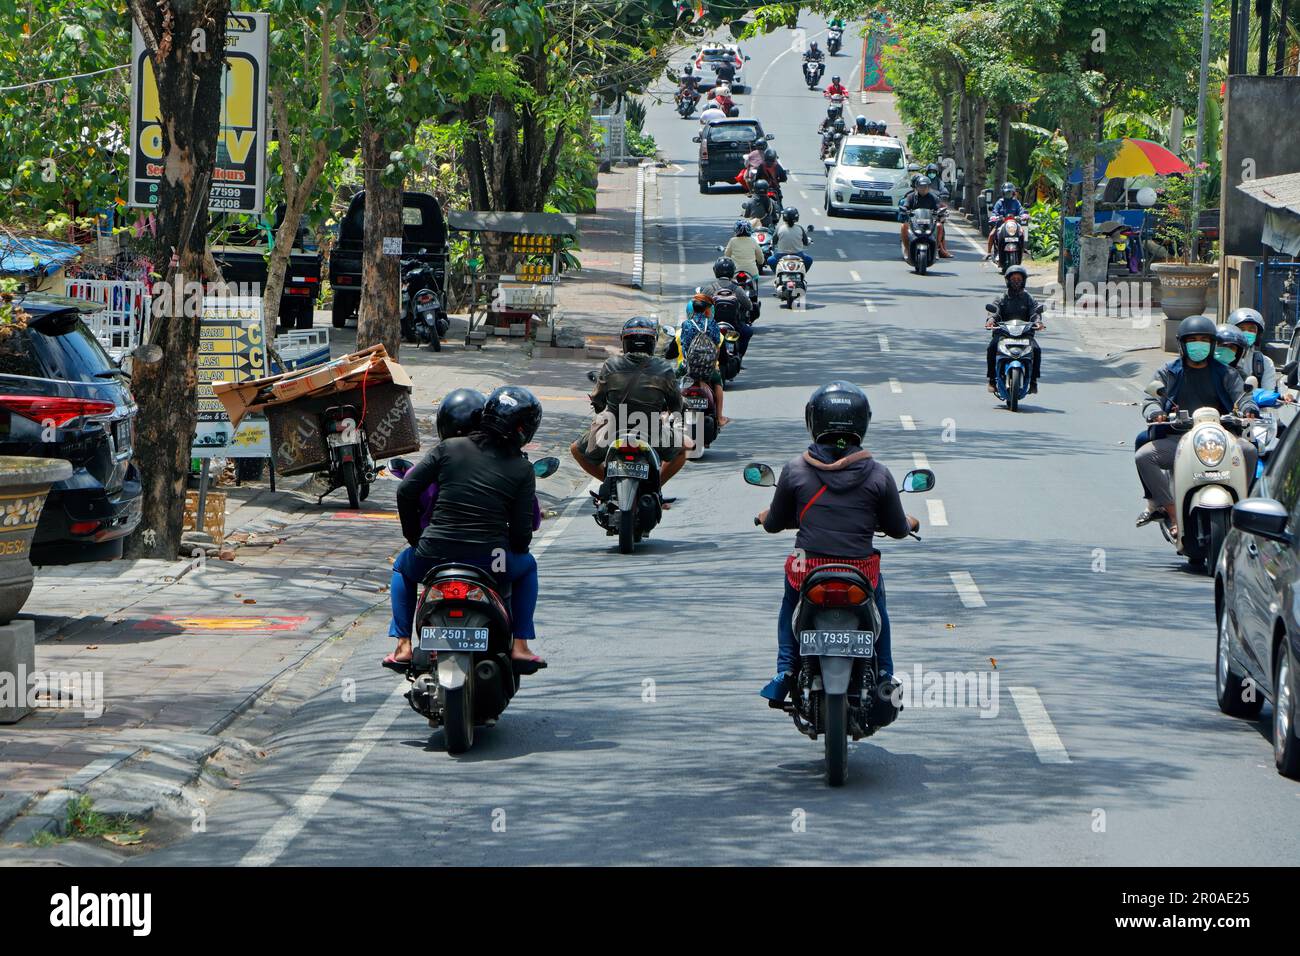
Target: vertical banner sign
239, 176
230, 350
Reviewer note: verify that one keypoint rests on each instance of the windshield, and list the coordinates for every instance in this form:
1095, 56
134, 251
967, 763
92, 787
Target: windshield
733, 134
881, 157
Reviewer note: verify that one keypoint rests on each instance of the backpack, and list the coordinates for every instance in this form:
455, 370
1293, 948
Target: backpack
726, 305
700, 353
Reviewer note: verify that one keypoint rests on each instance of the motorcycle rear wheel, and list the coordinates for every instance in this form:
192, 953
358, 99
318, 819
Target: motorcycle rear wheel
835, 735
458, 718
626, 531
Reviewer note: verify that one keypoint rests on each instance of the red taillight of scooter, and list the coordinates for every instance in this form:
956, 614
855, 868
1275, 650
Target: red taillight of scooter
836, 594
458, 591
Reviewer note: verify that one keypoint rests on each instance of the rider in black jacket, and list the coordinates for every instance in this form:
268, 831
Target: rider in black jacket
1016, 304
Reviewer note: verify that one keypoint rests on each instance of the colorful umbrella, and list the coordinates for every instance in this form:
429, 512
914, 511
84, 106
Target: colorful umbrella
1134, 157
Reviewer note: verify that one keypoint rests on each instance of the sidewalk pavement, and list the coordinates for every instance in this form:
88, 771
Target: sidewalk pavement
184, 648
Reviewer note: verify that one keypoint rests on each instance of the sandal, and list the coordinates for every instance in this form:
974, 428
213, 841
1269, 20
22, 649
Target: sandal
393, 664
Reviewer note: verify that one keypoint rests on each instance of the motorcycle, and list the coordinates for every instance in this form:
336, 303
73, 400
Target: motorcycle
746, 282
461, 673
1209, 477
834, 40
838, 691
768, 222
350, 464
1013, 365
423, 317
922, 241
812, 72
1012, 234
700, 414
763, 236
630, 501
729, 353
830, 148
686, 104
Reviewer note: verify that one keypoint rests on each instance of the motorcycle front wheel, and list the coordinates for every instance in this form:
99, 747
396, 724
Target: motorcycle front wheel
835, 736
1013, 389
1216, 527
922, 261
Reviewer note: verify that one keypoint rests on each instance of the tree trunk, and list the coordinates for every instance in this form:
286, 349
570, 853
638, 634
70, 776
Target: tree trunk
979, 160
962, 152
189, 102
947, 125
1088, 215
1004, 147
379, 319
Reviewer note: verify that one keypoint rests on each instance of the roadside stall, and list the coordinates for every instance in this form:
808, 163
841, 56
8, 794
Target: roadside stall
513, 263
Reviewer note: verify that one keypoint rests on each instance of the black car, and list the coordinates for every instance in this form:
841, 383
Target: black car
243, 259
1257, 584
61, 396
723, 147
424, 239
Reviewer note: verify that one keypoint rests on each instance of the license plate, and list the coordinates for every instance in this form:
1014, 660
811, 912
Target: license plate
453, 638
837, 643
1010, 247
628, 469
122, 435
696, 403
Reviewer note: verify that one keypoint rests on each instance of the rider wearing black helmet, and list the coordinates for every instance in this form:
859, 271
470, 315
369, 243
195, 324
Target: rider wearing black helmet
1191, 381
1007, 205
833, 112
730, 300
633, 391
860, 125
1229, 346
761, 206
922, 197
837, 497
1016, 304
486, 489
790, 239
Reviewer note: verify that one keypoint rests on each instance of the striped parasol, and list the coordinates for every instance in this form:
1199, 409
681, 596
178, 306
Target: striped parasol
1134, 157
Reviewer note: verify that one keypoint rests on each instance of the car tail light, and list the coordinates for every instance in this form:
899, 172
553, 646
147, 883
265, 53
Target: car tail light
836, 594
58, 411
83, 527
343, 280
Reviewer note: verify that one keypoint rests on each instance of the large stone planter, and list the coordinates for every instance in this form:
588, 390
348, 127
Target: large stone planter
1184, 289
1094, 259
24, 483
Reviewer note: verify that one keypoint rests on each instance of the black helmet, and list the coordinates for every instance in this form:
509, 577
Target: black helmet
513, 412
839, 124
689, 69
1008, 189
639, 334
861, 122
813, 45
932, 170
790, 215
724, 266
835, 78
760, 187
769, 154
839, 410
1196, 325
1016, 271
832, 110
921, 182
1232, 337
459, 413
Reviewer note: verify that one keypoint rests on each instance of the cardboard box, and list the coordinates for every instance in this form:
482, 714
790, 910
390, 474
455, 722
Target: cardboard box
299, 445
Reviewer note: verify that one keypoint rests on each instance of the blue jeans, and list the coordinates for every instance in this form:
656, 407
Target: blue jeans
746, 332
410, 568
787, 651
776, 257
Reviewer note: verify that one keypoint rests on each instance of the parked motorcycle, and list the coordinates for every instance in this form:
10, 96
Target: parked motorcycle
423, 317
350, 463
812, 73
838, 691
1013, 365
922, 242
461, 673
834, 40
1012, 234
1209, 477
630, 501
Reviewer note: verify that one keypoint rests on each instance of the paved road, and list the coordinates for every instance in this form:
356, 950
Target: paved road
646, 741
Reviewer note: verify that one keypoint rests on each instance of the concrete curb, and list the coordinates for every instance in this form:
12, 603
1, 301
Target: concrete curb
638, 235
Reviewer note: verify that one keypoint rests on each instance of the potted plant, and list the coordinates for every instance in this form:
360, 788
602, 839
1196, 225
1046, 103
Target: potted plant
1184, 280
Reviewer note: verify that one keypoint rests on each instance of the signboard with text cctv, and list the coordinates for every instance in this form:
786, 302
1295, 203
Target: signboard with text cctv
239, 176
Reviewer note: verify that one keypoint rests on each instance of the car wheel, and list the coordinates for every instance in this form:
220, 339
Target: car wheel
1230, 689
1286, 746
704, 185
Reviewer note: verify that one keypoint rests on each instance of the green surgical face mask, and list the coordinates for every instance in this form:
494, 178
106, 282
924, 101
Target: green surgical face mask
1224, 355
1198, 351
1250, 337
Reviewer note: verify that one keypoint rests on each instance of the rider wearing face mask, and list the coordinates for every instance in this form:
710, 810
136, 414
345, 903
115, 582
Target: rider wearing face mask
1254, 362
837, 497
1191, 381
1016, 304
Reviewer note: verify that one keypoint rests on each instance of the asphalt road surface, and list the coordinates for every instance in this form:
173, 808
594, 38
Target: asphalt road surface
646, 741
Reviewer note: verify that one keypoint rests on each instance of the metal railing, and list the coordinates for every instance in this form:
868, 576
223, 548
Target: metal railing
123, 322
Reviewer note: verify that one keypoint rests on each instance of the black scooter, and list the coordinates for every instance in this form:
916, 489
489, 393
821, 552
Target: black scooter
424, 320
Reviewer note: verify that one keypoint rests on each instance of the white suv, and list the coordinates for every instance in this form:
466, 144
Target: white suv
870, 173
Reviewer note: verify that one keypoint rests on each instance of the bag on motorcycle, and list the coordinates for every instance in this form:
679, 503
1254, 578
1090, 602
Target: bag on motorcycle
726, 306
701, 355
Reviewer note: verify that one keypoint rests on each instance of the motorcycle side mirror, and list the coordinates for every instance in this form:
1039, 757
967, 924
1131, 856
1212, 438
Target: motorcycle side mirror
759, 474
695, 139
828, 163
398, 467
769, 136
913, 168
591, 375
1038, 309
545, 467
811, 228
1155, 390
990, 307
919, 480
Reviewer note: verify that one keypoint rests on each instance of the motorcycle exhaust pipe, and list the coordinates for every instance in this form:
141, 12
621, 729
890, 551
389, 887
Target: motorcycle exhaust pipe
486, 671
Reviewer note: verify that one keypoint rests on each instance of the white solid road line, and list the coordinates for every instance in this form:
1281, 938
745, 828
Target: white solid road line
938, 515
966, 589
828, 231
919, 460
884, 342
276, 840
896, 386
909, 424
841, 253
1038, 724
853, 274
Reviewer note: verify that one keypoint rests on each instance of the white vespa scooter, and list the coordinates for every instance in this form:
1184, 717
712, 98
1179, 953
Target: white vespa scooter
1209, 477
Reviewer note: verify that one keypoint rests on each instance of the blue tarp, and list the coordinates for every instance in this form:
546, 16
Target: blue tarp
23, 256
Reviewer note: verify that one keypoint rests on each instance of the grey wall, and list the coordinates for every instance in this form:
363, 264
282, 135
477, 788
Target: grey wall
1261, 124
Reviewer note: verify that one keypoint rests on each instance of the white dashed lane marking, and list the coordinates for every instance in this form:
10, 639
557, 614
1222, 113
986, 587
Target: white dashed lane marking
966, 589
896, 386
884, 342
919, 460
1038, 724
853, 274
938, 515
841, 253
909, 424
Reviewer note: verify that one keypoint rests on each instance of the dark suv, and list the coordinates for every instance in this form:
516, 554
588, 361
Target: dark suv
62, 397
723, 147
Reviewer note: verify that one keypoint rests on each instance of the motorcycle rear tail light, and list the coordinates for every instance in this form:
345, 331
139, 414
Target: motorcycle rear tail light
629, 457
836, 594
459, 591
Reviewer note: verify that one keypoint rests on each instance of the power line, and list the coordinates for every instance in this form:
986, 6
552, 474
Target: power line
60, 79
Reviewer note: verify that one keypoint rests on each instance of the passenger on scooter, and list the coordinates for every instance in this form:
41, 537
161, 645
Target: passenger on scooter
1008, 205
723, 290
743, 248
861, 126
711, 114
790, 239
923, 198
637, 384
1191, 381
833, 112
485, 515
695, 348
1255, 362
688, 85
1016, 304
761, 206
837, 496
